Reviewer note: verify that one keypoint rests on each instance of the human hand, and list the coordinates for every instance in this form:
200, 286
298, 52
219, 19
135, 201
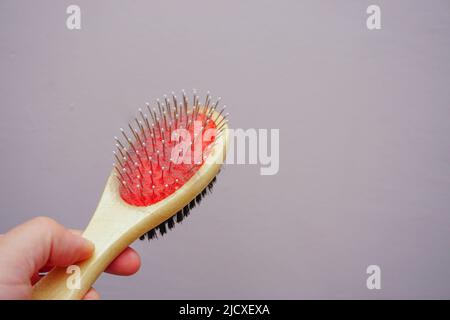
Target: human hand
42, 243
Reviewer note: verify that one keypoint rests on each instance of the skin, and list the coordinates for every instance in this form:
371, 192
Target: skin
40, 244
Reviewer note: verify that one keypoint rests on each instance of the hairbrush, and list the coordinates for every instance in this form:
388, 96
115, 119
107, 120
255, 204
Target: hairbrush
165, 163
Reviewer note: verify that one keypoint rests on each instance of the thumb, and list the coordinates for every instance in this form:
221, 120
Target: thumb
41, 241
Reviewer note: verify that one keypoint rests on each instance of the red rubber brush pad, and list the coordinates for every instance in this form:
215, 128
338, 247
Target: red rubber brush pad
150, 175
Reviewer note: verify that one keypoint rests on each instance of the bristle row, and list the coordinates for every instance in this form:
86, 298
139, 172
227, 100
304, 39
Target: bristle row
180, 215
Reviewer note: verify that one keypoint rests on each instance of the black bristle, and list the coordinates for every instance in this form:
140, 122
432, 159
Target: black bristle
180, 215
198, 198
186, 211
162, 228
151, 234
211, 184
170, 223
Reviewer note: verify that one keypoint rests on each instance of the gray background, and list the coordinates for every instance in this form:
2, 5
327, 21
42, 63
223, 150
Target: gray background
363, 116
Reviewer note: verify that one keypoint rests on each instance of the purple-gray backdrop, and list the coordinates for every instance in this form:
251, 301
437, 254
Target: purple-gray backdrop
364, 119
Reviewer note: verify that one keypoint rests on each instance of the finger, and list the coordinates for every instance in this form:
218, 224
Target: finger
76, 231
92, 294
42, 241
49, 267
127, 263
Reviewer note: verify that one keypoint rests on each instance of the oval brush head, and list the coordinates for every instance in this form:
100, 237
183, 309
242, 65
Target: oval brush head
164, 149
166, 162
